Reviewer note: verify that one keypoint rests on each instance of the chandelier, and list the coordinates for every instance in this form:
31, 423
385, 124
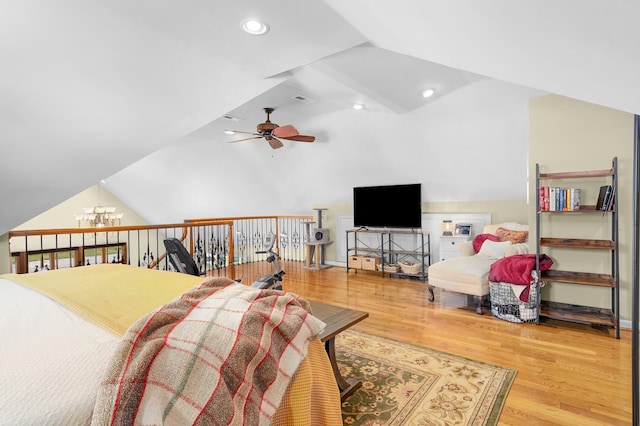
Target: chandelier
99, 217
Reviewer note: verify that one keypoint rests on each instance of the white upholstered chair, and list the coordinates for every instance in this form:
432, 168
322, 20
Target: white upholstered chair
469, 273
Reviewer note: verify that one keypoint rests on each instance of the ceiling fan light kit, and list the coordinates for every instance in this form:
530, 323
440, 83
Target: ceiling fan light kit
272, 133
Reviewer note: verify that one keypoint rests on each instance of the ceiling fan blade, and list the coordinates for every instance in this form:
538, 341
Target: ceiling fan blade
275, 143
246, 139
246, 133
301, 138
285, 131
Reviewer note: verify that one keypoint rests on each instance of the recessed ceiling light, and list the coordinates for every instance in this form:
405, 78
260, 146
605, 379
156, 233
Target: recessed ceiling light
428, 93
230, 132
358, 106
255, 27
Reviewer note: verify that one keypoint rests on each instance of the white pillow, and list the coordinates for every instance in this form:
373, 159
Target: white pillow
493, 248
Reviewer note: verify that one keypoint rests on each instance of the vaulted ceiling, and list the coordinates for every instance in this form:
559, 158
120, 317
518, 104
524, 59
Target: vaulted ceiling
136, 92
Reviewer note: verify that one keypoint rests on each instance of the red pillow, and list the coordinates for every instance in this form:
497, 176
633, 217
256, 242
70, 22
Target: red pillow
480, 238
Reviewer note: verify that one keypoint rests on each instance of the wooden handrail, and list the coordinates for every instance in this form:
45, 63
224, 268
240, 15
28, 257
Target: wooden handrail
186, 229
184, 225
250, 218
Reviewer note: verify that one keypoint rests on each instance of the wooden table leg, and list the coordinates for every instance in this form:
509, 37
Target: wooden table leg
346, 386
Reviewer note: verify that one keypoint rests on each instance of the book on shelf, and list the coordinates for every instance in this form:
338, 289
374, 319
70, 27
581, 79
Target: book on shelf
552, 199
559, 199
605, 198
575, 199
543, 198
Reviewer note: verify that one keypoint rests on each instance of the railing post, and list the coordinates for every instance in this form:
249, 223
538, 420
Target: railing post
232, 265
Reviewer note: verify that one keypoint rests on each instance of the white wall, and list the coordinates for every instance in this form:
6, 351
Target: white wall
470, 145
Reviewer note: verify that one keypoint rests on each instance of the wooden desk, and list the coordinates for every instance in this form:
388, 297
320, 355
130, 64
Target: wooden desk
337, 319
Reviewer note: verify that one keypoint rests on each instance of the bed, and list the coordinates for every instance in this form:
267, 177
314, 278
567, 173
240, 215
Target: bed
112, 343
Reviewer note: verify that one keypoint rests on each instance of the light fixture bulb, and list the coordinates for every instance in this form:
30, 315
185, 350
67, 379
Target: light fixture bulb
255, 27
358, 107
428, 93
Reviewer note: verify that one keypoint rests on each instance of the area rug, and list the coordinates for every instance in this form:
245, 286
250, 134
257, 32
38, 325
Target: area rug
403, 384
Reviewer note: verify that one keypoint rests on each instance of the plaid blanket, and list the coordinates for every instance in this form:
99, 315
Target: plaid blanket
222, 353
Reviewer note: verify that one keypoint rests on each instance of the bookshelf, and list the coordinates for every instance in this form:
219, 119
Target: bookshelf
601, 214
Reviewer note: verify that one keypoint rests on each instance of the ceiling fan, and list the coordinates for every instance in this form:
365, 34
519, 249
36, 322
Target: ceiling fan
272, 133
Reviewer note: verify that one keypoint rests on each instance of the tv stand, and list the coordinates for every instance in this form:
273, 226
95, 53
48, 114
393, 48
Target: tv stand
389, 247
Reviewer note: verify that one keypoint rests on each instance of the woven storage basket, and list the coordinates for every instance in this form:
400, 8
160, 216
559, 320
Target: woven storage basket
388, 267
408, 268
507, 306
369, 263
355, 262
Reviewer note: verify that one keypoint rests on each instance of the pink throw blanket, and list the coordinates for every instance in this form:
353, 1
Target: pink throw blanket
222, 353
517, 269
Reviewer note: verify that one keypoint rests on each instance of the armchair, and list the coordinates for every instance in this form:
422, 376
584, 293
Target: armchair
469, 273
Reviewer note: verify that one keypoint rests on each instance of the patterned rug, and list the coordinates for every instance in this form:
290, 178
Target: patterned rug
403, 384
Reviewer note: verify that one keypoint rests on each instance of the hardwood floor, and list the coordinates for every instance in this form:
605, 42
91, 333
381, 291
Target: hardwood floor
567, 374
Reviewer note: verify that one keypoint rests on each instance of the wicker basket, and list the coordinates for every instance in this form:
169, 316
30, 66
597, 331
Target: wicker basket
355, 262
410, 268
369, 263
391, 268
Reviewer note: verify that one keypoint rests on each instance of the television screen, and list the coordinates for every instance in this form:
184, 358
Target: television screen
391, 206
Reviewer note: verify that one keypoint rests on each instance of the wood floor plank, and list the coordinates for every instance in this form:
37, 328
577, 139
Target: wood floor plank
568, 374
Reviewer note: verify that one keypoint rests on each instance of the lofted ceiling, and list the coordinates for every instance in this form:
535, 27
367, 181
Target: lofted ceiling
93, 89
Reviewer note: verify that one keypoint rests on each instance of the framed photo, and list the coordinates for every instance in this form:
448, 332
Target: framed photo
463, 228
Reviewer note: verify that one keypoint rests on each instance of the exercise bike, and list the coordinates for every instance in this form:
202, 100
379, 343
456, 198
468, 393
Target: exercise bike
270, 281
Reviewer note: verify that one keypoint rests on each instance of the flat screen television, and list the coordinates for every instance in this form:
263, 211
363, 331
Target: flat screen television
390, 206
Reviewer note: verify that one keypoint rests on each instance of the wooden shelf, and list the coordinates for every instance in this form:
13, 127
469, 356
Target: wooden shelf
585, 208
578, 243
357, 250
575, 175
364, 250
584, 278
578, 314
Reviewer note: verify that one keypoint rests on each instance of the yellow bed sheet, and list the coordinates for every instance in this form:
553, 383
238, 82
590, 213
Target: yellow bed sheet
114, 296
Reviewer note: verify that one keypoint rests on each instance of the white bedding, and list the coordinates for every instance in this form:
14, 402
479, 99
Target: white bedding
51, 361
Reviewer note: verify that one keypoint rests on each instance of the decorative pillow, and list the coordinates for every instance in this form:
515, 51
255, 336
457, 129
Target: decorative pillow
515, 237
521, 248
494, 249
480, 238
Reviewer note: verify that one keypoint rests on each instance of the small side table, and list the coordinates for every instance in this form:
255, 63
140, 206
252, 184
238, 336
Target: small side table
449, 246
337, 320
